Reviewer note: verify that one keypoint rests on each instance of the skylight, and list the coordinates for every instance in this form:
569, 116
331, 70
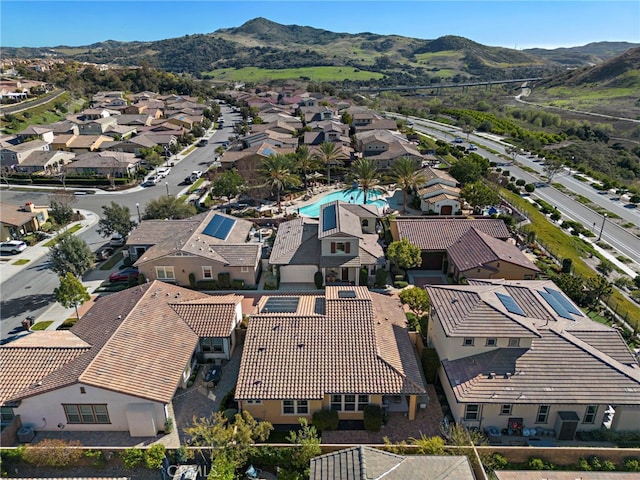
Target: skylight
510, 304
219, 227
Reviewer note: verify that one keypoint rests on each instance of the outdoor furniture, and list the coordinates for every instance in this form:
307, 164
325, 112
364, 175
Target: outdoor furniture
253, 473
213, 375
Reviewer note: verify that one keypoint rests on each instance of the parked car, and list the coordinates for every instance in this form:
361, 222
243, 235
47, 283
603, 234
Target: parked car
117, 240
104, 253
203, 143
13, 247
195, 175
458, 140
124, 274
472, 147
151, 181
163, 172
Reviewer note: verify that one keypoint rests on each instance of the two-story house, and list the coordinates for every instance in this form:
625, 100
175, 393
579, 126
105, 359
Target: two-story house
13, 155
520, 356
341, 243
385, 146
33, 132
440, 193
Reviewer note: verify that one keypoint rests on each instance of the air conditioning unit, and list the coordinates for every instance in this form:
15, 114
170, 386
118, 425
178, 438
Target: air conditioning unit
26, 434
422, 406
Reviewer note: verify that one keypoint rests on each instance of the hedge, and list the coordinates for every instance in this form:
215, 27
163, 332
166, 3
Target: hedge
372, 418
325, 419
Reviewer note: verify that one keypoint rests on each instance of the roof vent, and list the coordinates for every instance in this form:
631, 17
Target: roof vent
257, 382
261, 349
507, 375
454, 300
301, 345
492, 375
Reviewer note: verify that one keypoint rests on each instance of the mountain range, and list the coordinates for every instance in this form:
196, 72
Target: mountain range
265, 44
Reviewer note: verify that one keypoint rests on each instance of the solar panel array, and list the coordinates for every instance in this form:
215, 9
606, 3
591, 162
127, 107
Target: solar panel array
219, 227
329, 220
562, 300
281, 305
557, 306
510, 304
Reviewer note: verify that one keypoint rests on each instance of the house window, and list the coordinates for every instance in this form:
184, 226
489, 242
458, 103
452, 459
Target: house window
253, 402
543, 414
349, 403
491, 342
212, 344
467, 342
472, 412
506, 409
295, 407
85, 413
244, 269
6, 414
165, 273
341, 247
207, 272
514, 342
590, 414
529, 277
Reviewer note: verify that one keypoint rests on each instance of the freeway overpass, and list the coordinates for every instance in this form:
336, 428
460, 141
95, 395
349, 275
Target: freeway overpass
440, 86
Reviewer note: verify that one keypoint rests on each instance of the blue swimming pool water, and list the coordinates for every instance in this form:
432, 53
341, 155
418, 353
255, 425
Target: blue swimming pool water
313, 210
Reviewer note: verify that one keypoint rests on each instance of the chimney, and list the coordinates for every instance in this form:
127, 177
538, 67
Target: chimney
29, 207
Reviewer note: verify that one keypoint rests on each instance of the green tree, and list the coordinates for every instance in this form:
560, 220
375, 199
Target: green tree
328, 154
605, 267
478, 195
552, 167
597, 288
305, 162
71, 292
62, 206
222, 468
404, 254
572, 286
171, 208
277, 170
346, 118
115, 219
366, 179
308, 446
227, 184
408, 176
70, 254
469, 168
417, 299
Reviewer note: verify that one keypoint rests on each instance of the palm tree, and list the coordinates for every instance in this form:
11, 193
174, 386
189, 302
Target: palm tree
277, 171
305, 162
364, 172
328, 154
407, 174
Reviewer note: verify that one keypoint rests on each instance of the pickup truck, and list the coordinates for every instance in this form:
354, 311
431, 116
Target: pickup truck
195, 175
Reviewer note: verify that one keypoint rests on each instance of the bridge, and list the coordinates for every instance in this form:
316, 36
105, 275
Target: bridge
440, 86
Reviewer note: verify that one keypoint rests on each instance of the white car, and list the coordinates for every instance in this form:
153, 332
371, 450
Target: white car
163, 172
13, 247
151, 180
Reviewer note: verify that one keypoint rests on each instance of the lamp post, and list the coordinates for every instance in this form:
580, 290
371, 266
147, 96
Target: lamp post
138, 208
604, 219
166, 184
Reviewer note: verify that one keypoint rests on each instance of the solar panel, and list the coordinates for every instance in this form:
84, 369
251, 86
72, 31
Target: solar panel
562, 300
219, 227
346, 294
510, 304
557, 306
281, 305
329, 218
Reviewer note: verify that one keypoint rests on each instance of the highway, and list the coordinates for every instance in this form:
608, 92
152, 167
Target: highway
30, 292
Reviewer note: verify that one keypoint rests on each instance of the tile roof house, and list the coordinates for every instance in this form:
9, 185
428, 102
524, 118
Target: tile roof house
478, 255
435, 235
439, 193
11, 155
341, 243
520, 355
366, 463
41, 132
385, 146
343, 350
118, 164
119, 366
49, 162
17, 220
202, 247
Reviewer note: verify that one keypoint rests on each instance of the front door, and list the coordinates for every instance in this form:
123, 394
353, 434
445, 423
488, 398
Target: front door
345, 274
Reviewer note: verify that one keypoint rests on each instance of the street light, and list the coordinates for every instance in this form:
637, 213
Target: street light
166, 184
604, 218
138, 208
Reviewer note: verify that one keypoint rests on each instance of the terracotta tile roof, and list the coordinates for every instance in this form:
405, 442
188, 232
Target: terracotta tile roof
609, 342
290, 356
438, 234
437, 174
149, 232
213, 316
442, 197
438, 189
27, 146
475, 248
366, 463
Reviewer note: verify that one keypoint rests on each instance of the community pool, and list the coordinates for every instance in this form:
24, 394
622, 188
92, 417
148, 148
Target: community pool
313, 210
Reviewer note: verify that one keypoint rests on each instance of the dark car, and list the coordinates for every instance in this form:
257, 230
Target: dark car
123, 275
213, 375
104, 253
203, 143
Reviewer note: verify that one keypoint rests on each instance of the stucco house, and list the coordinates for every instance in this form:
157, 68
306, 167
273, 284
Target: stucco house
17, 220
45, 162
341, 351
200, 247
520, 355
117, 164
12, 155
41, 132
119, 366
341, 243
440, 193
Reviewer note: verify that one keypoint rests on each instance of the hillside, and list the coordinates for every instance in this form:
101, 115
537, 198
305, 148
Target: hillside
592, 53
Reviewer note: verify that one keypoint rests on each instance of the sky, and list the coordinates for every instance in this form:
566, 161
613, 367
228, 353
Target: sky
513, 24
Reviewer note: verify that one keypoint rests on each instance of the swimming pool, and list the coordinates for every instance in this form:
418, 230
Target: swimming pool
313, 210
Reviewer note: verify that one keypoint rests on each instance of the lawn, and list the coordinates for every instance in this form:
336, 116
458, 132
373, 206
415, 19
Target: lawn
54, 240
41, 114
112, 262
316, 74
22, 261
42, 325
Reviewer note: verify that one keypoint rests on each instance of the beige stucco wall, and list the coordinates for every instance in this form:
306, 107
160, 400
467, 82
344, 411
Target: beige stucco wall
426, 205
626, 418
297, 273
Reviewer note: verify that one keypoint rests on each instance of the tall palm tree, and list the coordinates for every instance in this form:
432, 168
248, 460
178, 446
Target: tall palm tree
364, 173
407, 174
305, 162
277, 170
328, 154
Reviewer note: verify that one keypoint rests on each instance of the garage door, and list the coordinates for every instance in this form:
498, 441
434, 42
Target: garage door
432, 261
446, 210
297, 273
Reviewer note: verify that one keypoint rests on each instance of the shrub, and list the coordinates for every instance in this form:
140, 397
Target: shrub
207, 285
400, 284
567, 264
412, 321
537, 464
520, 182
192, 280
53, 453
529, 187
224, 279
325, 419
381, 278
372, 418
227, 400
429, 445
608, 466
632, 464
364, 277
154, 455
318, 279
237, 284
499, 462
398, 278
271, 282
131, 458
97, 456
168, 425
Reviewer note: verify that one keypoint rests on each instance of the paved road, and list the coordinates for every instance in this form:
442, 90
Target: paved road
30, 103
30, 292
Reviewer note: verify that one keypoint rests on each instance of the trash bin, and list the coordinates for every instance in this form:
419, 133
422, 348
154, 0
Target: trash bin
27, 323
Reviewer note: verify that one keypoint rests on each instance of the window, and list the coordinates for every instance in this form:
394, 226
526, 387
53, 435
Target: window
207, 272
543, 414
244, 269
467, 342
340, 247
165, 273
349, 403
253, 402
6, 414
590, 414
514, 342
293, 407
472, 412
506, 409
86, 413
491, 342
212, 344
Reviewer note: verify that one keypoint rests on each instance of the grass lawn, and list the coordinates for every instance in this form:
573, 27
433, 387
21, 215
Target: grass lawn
112, 262
41, 114
316, 74
22, 261
42, 325
68, 323
54, 240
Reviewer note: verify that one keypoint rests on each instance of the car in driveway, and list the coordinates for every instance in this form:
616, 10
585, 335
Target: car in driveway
104, 253
124, 274
13, 247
